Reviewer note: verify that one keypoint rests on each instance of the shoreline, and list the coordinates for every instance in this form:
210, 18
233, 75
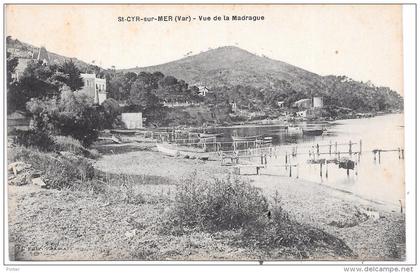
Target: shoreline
168, 167
372, 231
308, 202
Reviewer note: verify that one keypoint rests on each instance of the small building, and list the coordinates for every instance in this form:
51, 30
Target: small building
302, 114
94, 87
234, 107
280, 104
203, 90
303, 104
132, 120
43, 56
318, 102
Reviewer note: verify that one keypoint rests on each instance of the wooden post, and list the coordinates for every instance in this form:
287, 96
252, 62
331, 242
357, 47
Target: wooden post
338, 156
326, 170
374, 156
399, 153
336, 149
348, 171
262, 159
297, 170
265, 159
360, 148
401, 206
379, 156
402, 153
317, 149
320, 169
350, 147
330, 148
285, 161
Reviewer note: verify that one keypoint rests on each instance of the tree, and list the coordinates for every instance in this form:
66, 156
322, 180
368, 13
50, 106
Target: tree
111, 109
72, 79
143, 99
11, 67
71, 114
14, 98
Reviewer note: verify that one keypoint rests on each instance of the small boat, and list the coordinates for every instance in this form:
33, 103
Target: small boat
346, 164
312, 132
264, 141
244, 138
293, 129
182, 151
208, 135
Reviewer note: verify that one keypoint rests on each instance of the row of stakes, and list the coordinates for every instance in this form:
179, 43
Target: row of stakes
377, 154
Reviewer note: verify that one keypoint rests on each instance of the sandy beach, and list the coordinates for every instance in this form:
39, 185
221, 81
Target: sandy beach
72, 225
374, 237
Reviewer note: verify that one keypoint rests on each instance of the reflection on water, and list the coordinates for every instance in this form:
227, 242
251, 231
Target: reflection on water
380, 180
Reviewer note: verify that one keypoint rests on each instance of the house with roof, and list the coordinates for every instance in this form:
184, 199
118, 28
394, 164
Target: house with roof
203, 90
94, 87
43, 55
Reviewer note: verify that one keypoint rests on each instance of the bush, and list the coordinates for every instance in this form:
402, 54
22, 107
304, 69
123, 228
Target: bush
278, 229
218, 204
69, 144
34, 138
72, 114
58, 171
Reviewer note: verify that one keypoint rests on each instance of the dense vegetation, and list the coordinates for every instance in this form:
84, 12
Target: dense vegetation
250, 79
49, 93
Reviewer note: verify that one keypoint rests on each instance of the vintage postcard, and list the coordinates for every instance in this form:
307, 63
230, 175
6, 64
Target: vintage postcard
205, 132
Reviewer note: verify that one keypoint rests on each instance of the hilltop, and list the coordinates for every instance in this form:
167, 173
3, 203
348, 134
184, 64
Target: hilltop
231, 65
26, 52
230, 68
255, 83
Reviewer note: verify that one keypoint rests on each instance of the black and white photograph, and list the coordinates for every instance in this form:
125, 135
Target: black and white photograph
233, 133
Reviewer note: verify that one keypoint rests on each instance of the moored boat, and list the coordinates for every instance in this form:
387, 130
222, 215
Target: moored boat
208, 135
293, 129
244, 138
182, 151
312, 132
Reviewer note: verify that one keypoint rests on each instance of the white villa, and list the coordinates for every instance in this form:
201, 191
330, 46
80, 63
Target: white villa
94, 87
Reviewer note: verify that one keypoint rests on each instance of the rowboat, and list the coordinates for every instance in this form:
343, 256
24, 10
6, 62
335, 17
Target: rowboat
293, 129
244, 138
208, 135
312, 132
182, 151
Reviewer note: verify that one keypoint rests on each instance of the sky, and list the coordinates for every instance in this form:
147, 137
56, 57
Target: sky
363, 42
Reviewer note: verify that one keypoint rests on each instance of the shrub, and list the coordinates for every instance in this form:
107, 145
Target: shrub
69, 144
34, 138
58, 171
218, 204
72, 114
279, 229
